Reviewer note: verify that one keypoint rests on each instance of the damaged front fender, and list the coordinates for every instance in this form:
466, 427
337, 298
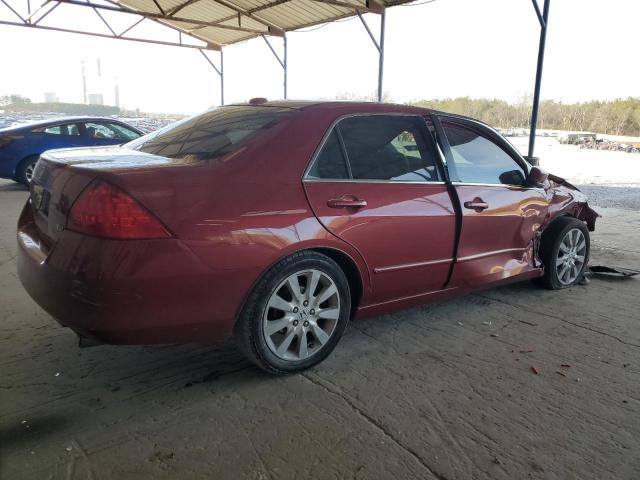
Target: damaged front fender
567, 199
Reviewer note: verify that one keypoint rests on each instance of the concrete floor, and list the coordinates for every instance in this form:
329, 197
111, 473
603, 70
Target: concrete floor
439, 392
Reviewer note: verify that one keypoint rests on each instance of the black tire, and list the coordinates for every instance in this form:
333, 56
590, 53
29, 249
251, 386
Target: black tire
23, 167
552, 238
248, 332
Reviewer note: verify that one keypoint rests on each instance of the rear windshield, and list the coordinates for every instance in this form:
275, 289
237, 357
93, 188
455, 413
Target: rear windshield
211, 134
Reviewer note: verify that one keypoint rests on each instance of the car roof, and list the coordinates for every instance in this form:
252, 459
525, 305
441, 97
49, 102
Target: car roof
56, 121
331, 104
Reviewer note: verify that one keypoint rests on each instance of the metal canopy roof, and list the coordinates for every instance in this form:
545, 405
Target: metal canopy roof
225, 22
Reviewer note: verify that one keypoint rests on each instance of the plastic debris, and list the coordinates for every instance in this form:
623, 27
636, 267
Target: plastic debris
57, 374
528, 323
69, 448
612, 271
494, 335
535, 370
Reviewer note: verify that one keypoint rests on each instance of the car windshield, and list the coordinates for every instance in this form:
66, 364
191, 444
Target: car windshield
212, 134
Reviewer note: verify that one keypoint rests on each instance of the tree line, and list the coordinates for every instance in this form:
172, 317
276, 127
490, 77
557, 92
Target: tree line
614, 117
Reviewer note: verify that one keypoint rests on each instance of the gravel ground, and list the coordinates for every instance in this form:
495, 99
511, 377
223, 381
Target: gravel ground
617, 196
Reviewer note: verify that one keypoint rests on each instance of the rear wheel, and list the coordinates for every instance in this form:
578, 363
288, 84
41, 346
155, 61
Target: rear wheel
564, 252
296, 314
24, 172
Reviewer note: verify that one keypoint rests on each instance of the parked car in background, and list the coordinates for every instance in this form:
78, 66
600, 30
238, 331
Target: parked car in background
277, 222
21, 145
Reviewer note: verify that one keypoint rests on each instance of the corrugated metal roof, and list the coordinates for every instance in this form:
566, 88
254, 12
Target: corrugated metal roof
224, 22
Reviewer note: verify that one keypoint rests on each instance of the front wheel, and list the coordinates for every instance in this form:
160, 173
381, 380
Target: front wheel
296, 314
564, 252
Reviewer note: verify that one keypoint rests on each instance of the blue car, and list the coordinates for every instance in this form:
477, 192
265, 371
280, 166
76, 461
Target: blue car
21, 145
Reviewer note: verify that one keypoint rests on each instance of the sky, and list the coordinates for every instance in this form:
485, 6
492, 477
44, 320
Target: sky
447, 48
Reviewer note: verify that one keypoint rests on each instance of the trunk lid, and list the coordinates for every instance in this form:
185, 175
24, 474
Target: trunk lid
61, 175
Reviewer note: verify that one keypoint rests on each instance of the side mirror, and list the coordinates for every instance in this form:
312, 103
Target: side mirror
537, 177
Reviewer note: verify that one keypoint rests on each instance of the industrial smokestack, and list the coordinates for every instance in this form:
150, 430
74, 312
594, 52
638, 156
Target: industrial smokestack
84, 84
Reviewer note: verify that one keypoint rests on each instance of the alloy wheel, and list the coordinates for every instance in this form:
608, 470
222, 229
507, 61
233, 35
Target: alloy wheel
301, 315
28, 172
571, 256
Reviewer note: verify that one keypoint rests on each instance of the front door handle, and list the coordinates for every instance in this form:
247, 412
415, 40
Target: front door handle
476, 204
346, 201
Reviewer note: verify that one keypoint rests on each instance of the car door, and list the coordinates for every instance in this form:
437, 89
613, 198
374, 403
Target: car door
376, 183
63, 135
501, 214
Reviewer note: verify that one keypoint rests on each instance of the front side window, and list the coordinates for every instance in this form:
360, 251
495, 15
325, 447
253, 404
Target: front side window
100, 130
122, 132
479, 160
378, 147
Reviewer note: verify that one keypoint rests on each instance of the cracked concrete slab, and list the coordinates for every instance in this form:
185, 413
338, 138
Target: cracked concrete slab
442, 391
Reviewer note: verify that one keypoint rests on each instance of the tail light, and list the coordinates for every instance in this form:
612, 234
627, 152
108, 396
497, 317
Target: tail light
103, 210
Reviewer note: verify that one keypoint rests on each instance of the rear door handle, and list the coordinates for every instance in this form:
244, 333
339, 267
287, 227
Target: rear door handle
346, 201
476, 204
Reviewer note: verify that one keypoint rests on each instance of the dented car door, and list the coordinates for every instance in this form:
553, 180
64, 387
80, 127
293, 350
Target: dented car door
501, 214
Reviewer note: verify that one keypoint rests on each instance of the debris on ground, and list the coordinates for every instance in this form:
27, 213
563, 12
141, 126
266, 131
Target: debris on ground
535, 370
528, 323
565, 365
494, 335
561, 373
526, 351
612, 271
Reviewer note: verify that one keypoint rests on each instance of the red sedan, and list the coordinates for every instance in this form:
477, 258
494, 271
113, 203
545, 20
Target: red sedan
277, 222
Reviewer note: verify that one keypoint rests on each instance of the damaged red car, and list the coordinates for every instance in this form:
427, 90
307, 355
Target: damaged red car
277, 222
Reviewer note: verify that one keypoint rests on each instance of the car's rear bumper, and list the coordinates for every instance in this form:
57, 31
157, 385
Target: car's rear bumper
125, 292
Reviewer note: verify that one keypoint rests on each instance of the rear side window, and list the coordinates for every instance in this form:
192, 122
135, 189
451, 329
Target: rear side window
378, 147
211, 134
70, 129
479, 160
330, 162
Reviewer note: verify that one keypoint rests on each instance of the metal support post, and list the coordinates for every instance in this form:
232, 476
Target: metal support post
219, 71
379, 46
281, 61
544, 20
284, 39
381, 55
